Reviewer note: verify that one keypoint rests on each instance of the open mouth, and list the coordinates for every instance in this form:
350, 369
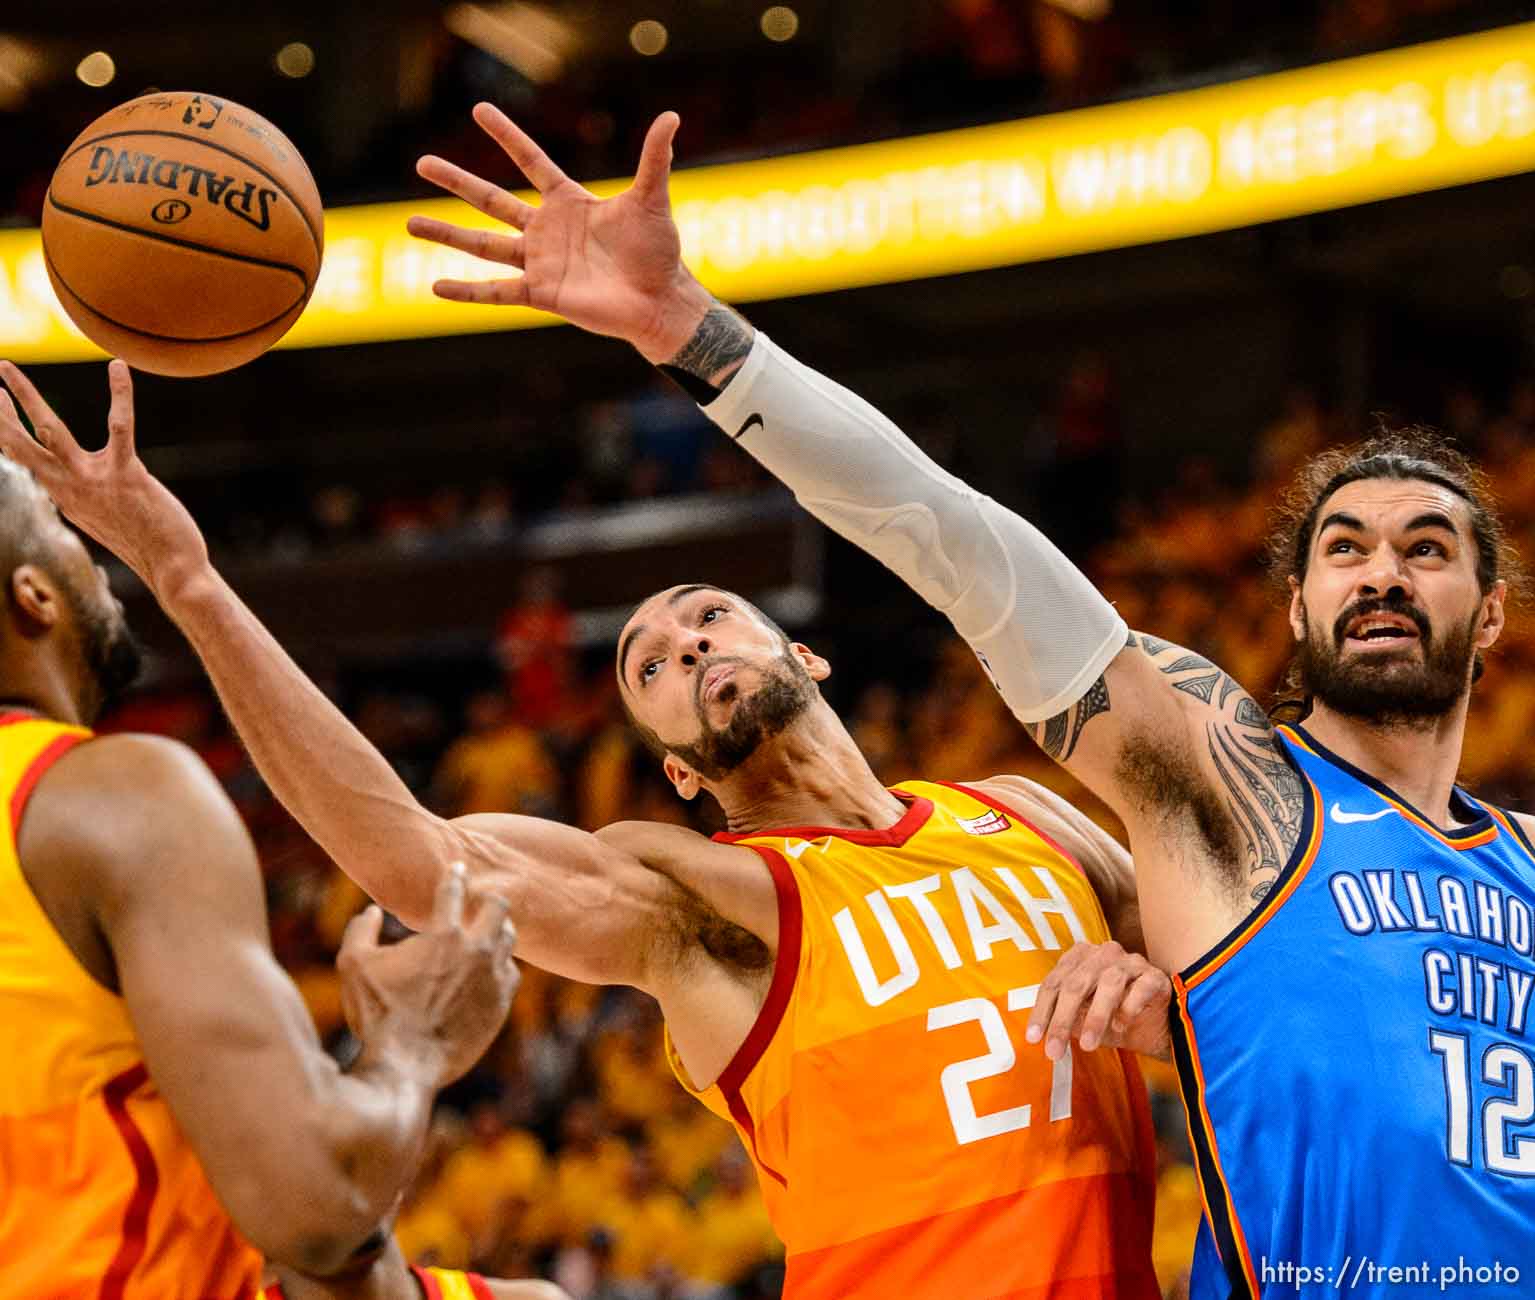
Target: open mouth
1377, 630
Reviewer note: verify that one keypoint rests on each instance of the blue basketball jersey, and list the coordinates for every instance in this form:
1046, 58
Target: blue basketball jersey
1358, 1058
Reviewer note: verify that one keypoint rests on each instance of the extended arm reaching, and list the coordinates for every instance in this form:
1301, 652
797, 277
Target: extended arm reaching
1155, 731
613, 266
1041, 629
587, 906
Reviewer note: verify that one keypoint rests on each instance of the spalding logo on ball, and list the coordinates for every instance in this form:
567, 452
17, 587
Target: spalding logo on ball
183, 233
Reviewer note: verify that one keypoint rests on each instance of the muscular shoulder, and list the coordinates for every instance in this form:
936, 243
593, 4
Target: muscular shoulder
1102, 858
1092, 846
728, 880
130, 809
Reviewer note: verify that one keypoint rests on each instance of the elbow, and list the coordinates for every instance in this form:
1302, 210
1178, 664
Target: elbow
321, 1238
303, 1207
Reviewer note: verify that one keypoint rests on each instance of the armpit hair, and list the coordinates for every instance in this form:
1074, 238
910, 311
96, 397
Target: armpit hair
693, 924
1161, 779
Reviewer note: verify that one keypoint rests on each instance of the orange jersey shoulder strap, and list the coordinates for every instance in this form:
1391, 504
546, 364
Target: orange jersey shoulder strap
446, 1284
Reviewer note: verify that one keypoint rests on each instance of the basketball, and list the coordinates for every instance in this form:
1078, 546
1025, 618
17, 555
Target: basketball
182, 233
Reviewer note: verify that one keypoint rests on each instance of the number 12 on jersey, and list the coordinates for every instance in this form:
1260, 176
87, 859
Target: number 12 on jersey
999, 1058
1504, 1066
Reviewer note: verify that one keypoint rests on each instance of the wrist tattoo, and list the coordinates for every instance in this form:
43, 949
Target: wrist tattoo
719, 345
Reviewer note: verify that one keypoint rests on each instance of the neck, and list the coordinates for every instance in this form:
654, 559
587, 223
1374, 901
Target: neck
40, 686
810, 775
1417, 758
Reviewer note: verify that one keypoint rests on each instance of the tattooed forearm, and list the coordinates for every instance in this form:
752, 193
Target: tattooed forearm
1058, 736
717, 348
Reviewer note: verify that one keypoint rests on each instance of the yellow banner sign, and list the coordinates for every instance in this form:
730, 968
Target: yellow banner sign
1341, 133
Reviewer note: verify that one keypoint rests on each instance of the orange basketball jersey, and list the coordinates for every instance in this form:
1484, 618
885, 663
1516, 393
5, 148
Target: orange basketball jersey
909, 1143
100, 1196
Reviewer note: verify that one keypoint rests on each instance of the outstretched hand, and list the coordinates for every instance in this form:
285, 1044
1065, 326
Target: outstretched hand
612, 266
109, 494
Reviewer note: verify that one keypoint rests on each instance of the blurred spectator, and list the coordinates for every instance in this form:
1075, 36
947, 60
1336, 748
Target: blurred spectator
733, 1234
497, 1167
877, 730
498, 765
651, 1226
534, 645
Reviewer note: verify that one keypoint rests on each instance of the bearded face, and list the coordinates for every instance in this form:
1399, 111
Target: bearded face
786, 690
1391, 613
1402, 677
111, 653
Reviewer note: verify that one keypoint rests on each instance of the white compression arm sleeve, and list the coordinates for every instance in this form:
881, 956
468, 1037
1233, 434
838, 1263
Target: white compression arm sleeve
1041, 629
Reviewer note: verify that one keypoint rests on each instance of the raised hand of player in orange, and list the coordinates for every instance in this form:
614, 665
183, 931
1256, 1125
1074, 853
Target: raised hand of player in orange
438, 998
1102, 996
109, 494
612, 266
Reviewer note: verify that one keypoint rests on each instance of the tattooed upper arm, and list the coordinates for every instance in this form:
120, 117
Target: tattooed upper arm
1058, 736
1212, 762
1252, 828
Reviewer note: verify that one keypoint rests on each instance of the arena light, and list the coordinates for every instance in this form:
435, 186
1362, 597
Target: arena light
295, 60
648, 36
522, 36
779, 23
1091, 11
96, 69
21, 64
1341, 133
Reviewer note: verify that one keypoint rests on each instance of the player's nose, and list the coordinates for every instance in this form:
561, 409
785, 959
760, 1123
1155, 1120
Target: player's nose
1385, 573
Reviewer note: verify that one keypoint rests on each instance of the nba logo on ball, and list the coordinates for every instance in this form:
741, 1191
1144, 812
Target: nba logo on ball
183, 233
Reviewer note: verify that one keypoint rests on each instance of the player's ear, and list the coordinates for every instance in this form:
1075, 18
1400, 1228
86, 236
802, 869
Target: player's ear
1297, 609
818, 668
683, 778
34, 598
1493, 615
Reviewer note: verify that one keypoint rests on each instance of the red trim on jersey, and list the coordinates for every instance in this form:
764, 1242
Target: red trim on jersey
992, 802
790, 932
51, 753
785, 969
892, 837
429, 1284
135, 1228
16, 715
479, 1286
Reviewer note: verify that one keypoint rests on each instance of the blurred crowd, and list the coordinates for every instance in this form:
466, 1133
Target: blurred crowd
651, 443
